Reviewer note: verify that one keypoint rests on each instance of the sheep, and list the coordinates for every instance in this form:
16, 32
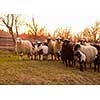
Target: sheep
67, 53
50, 44
24, 47
81, 59
97, 46
45, 51
35, 50
88, 50
97, 61
57, 48
38, 51
41, 50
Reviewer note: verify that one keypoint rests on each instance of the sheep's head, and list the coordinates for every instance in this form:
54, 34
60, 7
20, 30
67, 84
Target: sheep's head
66, 42
58, 40
48, 40
77, 56
77, 47
18, 41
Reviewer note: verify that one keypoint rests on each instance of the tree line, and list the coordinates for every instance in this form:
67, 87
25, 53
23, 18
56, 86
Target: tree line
14, 22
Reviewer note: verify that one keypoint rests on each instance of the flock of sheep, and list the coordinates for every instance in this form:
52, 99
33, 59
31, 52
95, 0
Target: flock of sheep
59, 49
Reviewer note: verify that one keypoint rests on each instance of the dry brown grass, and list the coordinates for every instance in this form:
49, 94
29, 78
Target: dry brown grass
14, 71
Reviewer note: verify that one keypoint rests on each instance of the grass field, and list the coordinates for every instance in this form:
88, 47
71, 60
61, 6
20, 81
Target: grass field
15, 71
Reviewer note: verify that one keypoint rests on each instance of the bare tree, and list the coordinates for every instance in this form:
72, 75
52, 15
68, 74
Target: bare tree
95, 30
64, 33
33, 27
58, 32
16, 24
86, 34
67, 32
9, 22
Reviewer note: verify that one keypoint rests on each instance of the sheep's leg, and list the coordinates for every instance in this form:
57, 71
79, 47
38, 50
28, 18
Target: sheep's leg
81, 66
21, 56
90, 64
58, 57
95, 67
46, 56
51, 56
41, 57
35, 57
28, 55
63, 61
66, 62
55, 57
98, 68
31, 57
73, 63
69, 63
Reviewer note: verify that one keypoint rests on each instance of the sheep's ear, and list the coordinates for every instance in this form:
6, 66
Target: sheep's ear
60, 39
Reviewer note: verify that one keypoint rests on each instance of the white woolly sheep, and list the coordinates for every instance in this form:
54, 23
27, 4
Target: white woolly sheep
24, 47
50, 44
89, 51
57, 48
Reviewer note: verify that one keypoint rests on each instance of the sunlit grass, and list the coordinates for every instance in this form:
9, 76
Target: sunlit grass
15, 71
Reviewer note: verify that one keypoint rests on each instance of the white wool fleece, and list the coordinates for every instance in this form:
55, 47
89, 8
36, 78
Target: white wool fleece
45, 49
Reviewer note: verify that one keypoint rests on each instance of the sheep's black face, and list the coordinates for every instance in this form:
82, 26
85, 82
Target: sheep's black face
48, 40
77, 56
65, 42
77, 46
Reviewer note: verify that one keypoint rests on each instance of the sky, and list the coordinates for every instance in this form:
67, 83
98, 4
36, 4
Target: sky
77, 14
77, 22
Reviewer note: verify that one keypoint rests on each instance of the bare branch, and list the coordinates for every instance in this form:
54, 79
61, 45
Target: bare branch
5, 22
30, 26
12, 22
8, 19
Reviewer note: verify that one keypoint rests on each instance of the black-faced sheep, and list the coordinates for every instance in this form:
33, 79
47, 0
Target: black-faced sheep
97, 61
81, 59
41, 51
88, 50
67, 53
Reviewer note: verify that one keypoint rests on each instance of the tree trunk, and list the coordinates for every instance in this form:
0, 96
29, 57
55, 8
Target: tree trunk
13, 38
17, 31
94, 37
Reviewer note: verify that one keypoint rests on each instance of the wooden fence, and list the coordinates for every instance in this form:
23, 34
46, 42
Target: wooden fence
6, 43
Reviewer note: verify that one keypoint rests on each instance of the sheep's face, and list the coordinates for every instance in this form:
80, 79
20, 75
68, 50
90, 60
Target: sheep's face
18, 41
77, 47
48, 40
65, 42
58, 41
77, 56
